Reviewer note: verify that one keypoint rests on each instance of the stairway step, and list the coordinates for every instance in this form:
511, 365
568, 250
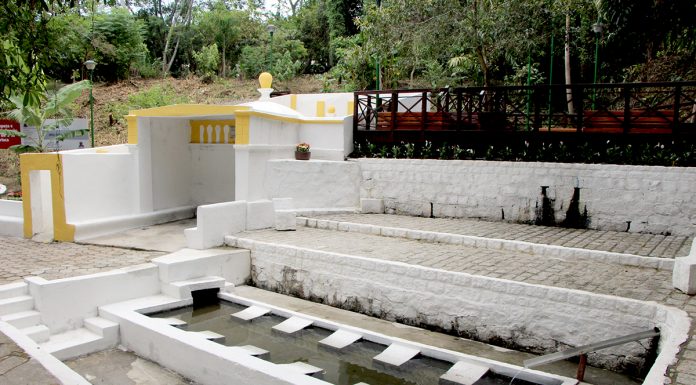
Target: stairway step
23, 319
103, 327
13, 290
16, 304
38, 333
75, 343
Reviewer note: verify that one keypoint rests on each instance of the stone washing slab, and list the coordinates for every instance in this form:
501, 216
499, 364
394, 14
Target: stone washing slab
292, 325
463, 373
302, 367
209, 335
251, 313
172, 321
252, 350
340, 339
396, 354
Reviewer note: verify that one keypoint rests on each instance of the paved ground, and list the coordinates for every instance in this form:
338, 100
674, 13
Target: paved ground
647, 245
22, 257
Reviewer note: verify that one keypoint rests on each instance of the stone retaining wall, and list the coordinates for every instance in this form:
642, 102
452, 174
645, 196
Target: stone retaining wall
534, 318
652, 199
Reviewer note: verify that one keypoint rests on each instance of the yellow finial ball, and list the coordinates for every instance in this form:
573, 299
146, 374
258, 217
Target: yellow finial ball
265, 79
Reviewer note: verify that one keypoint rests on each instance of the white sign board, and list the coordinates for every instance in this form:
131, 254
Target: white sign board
50, 141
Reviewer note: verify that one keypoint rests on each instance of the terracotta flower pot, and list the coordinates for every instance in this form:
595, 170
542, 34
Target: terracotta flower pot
302, 155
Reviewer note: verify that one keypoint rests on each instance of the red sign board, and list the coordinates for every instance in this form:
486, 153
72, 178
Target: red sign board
7, 141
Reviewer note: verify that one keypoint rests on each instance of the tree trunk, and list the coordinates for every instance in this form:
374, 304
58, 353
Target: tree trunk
167, 41
569, 91
224, 53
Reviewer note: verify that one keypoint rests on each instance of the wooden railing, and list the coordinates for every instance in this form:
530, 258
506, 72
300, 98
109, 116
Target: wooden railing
626, 108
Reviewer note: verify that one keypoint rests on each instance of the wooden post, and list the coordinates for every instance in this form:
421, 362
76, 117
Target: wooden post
580, 375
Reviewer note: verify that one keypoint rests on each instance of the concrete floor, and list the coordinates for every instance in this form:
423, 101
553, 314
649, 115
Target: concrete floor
167, 237
119, 367
124, 368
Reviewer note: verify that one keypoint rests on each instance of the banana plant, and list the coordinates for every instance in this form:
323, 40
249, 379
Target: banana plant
55, 106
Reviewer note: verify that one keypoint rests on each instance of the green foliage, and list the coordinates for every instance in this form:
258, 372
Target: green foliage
207, 60
156, 96
118, 41
284, 61
676, 153
355, 67
57, 105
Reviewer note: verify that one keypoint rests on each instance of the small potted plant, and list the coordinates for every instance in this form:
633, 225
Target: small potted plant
302, 151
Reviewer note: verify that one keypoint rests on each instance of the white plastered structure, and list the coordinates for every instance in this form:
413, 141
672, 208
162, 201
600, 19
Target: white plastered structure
177, 158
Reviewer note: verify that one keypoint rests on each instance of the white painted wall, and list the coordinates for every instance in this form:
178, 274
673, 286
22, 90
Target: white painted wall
265, 131
10, 208
55, 299
534, 317
307, 103
654, 199
171, 163
11, 218
314, 184
99, 185
212, 173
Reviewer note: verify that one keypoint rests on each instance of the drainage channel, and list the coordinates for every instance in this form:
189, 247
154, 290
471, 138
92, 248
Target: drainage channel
298, 345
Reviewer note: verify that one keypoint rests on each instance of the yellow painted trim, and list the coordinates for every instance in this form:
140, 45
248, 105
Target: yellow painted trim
62, 231
189, 110
321, 110
293, 101
292, 120
351, 107
132, 121
196, 125
242, 129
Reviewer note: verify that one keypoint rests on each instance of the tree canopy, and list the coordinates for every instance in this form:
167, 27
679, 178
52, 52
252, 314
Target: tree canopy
419, 43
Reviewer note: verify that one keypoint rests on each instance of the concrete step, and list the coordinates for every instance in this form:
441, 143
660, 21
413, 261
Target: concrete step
102, 327
14, 290
75, 343
23, 319
38, 333
183, 289
16, 304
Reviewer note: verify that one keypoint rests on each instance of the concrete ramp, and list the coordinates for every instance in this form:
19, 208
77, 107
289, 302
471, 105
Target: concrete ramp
396, 354
251, 313
340, 339
463, 373
292, 325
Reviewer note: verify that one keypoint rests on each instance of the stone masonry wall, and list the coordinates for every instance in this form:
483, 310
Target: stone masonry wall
652, 199
517, 315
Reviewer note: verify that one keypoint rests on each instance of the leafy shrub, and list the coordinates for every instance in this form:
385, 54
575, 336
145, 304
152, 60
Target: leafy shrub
119, 43
207, 60
286, 57
157, 96
679, 153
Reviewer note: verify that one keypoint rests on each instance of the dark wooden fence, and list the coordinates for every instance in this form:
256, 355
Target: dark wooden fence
649, 111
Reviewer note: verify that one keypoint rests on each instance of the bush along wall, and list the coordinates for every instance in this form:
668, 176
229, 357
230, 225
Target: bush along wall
681, 153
